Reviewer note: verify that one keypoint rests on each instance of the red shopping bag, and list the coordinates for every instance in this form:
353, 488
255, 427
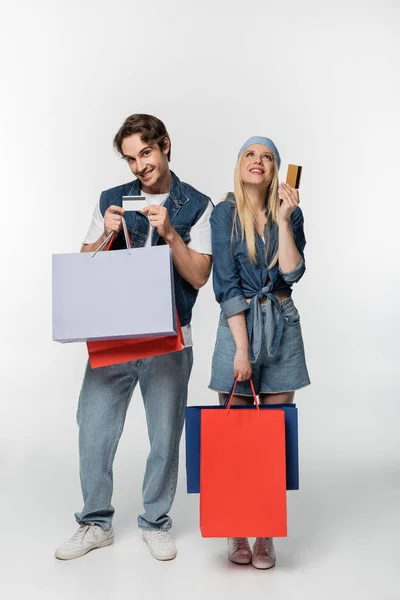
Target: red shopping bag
242, 472
111, 352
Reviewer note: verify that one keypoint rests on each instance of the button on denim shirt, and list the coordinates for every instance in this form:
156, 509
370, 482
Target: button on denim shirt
185, 206
236, 278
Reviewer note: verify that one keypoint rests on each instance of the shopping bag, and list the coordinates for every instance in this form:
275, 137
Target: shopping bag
105, 353
113, 295
192, 442
242, 472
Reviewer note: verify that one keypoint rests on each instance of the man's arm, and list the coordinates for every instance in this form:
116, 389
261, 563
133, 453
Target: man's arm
193, 266
112, 222
93, 247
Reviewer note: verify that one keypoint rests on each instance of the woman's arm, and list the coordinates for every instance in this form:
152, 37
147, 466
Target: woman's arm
226, 279
289, 256
291, 238
227, 287
241, 364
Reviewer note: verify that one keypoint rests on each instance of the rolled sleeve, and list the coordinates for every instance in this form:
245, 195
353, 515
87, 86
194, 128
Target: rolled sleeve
295, 275
234, 306
226, 280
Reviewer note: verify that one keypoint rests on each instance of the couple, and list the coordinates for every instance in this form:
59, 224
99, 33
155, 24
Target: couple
256, 238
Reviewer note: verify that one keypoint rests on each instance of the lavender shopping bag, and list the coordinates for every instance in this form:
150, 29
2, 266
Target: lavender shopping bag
113, 295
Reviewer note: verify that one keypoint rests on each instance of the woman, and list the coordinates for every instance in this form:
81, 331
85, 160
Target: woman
258, 243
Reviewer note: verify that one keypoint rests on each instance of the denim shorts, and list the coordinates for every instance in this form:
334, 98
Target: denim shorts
271, 375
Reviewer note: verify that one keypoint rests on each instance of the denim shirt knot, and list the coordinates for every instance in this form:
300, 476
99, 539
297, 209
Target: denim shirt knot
273, 326
262, 293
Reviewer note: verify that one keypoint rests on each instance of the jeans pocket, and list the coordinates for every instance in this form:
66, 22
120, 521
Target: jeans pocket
290, 312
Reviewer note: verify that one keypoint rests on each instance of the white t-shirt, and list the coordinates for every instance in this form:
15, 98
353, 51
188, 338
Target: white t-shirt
200, 238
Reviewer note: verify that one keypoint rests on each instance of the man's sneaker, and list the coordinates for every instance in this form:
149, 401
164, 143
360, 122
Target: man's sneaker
160, 543
263, 553
88, 537
239, 551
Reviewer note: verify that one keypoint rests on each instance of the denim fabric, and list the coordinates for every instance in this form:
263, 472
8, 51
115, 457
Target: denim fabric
185, 206
103, 403
285, 372
235, 278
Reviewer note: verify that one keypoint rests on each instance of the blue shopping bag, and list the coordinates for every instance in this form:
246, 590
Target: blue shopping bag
193, 435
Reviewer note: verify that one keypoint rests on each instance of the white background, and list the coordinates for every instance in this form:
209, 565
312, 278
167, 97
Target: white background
319, 78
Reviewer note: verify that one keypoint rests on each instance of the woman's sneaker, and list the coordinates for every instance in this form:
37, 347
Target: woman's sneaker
263, 553
88, 537
239, 551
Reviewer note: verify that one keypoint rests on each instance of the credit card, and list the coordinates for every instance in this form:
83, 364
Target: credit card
133, 202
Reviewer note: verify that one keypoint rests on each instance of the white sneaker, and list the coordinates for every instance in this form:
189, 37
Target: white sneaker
239, 551
263, 553
160, 543
88, 537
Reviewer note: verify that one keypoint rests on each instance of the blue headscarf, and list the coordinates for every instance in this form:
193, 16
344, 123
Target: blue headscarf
256, 139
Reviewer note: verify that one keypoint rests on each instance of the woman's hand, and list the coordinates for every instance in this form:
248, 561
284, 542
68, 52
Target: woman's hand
290, 200
242, 365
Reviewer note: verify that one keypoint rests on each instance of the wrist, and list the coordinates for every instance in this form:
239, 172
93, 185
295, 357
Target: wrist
242, 349
171, 237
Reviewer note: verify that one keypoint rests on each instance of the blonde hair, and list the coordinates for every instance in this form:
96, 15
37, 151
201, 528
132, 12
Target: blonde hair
244, 211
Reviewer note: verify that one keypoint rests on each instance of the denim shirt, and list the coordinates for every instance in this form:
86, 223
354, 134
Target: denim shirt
236, 278
185, 206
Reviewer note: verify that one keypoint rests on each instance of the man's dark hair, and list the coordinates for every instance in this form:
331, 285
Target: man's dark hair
151, 130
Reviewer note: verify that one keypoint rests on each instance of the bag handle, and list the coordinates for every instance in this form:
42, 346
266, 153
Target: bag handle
108, 242
228, 401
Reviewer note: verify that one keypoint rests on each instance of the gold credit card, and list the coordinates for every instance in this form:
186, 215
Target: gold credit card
293, 176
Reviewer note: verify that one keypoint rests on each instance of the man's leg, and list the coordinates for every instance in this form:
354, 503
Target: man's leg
103, 402
164, 384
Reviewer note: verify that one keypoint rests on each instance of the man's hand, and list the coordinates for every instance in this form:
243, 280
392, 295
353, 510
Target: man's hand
159, 218
113, 219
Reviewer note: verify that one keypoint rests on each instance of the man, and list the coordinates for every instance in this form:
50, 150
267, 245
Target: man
178, 216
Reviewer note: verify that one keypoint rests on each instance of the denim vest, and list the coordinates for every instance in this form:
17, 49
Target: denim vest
185, 206
236, 278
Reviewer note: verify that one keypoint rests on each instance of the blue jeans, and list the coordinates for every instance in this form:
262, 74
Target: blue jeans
103, 402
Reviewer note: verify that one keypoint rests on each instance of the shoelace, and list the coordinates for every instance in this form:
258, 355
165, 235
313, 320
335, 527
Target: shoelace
240, 543
263, 545
80, 533
160, 535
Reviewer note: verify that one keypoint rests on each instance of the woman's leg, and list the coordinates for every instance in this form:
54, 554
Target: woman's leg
263, 549
239, 550
282, 398
241, 400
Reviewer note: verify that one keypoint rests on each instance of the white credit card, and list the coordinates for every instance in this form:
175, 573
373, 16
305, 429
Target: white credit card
133, 202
